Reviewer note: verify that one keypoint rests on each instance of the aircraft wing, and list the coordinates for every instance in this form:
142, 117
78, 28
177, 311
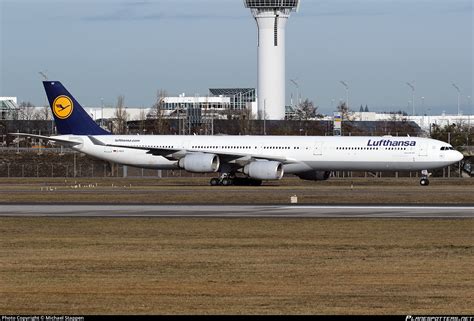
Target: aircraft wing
59, 141
177, 154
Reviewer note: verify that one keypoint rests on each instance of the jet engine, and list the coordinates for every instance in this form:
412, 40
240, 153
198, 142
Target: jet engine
200, 163
315, 176
264, 170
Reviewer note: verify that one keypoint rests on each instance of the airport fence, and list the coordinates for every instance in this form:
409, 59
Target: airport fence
68, 170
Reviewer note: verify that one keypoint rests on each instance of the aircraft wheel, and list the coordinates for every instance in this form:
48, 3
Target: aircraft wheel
227, 182
214, 182
424, 182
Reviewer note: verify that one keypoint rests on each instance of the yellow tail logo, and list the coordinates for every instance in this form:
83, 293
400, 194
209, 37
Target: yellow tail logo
62, 107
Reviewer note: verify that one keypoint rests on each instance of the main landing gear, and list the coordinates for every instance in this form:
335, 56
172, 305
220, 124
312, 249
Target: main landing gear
424, 181
232, 180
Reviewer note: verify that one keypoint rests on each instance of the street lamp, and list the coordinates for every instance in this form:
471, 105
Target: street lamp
413, 96
423, 108
429, 118
102, 112
180, 107
459, 98
469, 106
347, 93
294, 81
43, 74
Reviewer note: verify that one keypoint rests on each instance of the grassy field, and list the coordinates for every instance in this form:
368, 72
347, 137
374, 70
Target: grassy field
235, 266
197, 191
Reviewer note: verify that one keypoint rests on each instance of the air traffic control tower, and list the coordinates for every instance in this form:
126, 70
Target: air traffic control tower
271, 17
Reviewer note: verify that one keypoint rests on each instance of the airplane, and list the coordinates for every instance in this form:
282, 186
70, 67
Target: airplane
243, 160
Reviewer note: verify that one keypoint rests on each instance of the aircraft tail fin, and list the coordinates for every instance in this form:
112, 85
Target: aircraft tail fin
69, 116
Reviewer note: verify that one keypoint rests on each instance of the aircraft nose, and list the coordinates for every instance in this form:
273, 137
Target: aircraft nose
458, 156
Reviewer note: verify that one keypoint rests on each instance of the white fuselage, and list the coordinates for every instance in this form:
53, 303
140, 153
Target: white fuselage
303, 154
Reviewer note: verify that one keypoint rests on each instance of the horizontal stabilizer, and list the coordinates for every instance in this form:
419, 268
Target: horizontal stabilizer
60, 141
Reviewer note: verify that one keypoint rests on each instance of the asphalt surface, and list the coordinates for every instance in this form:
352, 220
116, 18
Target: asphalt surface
236, 211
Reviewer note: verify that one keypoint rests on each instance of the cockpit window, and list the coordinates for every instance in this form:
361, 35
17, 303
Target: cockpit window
447, 148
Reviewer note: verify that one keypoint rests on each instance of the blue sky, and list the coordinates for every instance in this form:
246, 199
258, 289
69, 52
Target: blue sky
102, 49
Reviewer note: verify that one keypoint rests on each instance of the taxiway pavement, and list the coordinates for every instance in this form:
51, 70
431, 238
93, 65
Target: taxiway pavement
226, 211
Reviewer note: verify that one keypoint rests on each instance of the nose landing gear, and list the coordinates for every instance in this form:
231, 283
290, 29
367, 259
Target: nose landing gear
424, 181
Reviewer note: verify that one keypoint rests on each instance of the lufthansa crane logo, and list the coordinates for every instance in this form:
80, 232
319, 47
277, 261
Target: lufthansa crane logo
62, 107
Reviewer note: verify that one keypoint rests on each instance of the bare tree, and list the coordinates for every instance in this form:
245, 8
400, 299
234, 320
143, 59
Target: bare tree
306, 110
26, 110
344, 110
458, 135
46, 113
245, 121
142, 120
120, 116
37, 115
158, 112
42, 114
394, 117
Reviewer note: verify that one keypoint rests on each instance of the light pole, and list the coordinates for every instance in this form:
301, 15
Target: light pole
429, 118
102, 112
413, 96
294, 81
469, 106
459, 98
423, 108
264, 118
43, 74
178, 109
347, 93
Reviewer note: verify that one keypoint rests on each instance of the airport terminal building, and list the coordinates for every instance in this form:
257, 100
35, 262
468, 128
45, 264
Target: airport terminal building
8, 108
219, 101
